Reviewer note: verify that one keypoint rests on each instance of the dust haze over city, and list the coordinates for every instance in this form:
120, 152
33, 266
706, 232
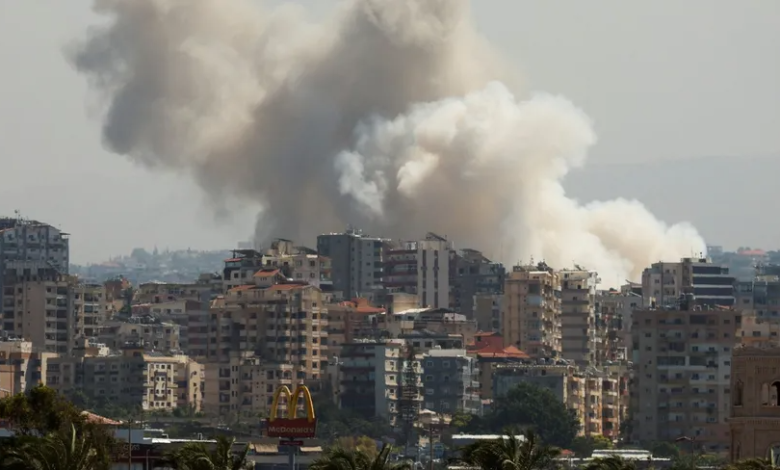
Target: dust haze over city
674, 115
396, 117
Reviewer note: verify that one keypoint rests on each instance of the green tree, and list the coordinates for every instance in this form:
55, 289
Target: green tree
610, 463
196, 456
61, 450
664, 450
511, 453
363, 444
338, 458
532, 407
40, 411
583, 446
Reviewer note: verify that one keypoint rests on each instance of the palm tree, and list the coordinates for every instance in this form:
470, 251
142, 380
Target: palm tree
339, 458
196, 456
65, 450
610, 463
511, 453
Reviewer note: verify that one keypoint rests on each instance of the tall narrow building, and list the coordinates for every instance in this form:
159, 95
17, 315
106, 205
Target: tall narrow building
531, 316
357, 262
578, 316
30, 250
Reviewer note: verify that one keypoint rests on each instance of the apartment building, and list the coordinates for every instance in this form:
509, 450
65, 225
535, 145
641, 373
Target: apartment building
371, 378
682, 369
133, 379
451, 382
423, 268
244, 386
438, 320
473, 274
487, 311
579, 341
357, 262
171, 295
614, 314
531, 317
280, 323
351, 320
597, 396
664, 284
53, 314
760, 296
152, 333
21, 366
30, 250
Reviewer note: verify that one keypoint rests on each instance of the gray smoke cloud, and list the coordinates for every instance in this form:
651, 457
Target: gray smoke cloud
392, 115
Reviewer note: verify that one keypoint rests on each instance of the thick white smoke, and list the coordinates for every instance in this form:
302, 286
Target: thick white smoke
392, 115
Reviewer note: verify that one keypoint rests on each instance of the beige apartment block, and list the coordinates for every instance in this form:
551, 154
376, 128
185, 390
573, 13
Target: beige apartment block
244, 386
579, 341
755, 399
54, 314
281, 323
21, 366
134, 378
439, 320
487, 311
682, 371
350, 320
164, 292
153, 334
531, 317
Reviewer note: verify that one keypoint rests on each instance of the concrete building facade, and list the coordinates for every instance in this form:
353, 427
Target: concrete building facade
531, 316
451, 381
682, 376
357, 262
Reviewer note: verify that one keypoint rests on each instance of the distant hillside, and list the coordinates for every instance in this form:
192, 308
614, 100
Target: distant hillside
730, 200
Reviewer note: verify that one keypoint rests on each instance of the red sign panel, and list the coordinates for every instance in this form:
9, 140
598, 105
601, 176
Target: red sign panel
292, 428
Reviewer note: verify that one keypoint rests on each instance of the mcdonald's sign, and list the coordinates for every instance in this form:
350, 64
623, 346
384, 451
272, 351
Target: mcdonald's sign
291, 426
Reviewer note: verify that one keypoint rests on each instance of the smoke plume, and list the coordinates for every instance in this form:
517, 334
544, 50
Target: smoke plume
392, 115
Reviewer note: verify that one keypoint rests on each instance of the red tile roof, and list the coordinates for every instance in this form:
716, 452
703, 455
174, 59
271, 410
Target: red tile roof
285, 287
97, 419
267, 273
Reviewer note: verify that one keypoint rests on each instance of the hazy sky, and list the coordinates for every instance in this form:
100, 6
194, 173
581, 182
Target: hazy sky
662, 80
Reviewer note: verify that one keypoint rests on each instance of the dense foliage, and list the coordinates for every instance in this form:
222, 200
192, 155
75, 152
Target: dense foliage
583, 446
525, 452
197, 456
528, 406
339, 458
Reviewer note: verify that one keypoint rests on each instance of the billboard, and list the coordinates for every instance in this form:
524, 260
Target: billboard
291, 426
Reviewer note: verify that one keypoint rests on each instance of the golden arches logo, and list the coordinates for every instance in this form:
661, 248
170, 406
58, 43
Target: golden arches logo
292, 403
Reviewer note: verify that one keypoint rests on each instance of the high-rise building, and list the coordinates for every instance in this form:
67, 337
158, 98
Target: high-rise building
665, 285
578, 316
357, 262
472, 275
451, 381
30, 250
681, 386
422, 268
531, 317
53, 314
